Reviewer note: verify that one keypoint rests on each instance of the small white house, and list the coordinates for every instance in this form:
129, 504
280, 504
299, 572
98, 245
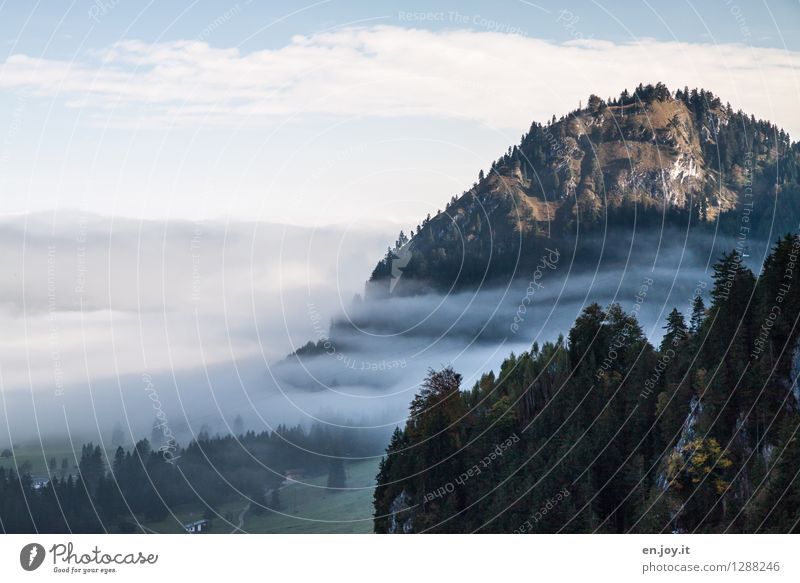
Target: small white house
196, 526
39, 483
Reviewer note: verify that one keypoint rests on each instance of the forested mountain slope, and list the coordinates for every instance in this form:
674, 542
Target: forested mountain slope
602, 432
644, 160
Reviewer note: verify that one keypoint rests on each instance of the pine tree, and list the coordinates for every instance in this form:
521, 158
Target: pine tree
117, 436
727, 345
675, 330
156, 433
238, 425
698, 314
336, 474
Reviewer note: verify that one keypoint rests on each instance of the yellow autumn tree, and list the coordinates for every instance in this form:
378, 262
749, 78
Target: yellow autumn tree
700, 461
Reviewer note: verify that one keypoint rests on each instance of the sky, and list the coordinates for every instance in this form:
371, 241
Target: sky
346, 113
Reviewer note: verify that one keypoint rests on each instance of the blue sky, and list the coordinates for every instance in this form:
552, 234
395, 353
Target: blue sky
62, 28
343, 112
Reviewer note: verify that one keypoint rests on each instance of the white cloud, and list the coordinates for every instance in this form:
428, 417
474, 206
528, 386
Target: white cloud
89, 295
500, 80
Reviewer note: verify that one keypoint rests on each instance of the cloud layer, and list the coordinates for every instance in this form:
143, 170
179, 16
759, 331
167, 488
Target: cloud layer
89, 297
499, 80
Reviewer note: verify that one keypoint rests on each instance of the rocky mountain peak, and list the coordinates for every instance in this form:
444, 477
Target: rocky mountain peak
682, 156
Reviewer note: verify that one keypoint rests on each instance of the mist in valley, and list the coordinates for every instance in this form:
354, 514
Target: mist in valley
216, 329
110, 322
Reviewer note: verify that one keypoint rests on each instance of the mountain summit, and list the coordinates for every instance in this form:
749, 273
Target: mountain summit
648, 159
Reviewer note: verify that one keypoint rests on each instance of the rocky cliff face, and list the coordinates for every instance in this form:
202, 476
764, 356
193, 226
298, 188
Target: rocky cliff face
651, 156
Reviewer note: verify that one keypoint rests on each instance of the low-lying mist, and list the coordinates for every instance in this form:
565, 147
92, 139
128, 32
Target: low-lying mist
109, 323
106, 321
379, 350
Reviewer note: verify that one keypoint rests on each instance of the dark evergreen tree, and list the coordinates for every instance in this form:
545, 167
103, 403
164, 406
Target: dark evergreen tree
336, 473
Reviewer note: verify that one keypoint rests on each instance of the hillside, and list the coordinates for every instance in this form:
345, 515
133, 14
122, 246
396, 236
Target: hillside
646, 159
603, 432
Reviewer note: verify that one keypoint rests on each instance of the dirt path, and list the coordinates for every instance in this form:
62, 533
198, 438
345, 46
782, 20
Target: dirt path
238, 527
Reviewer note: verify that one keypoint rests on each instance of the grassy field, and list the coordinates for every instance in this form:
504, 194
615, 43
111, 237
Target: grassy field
309, 509
305, 508
32, 454
189, 513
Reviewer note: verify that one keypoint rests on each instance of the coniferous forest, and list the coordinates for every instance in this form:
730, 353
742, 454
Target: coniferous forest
602, 432
143, 485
